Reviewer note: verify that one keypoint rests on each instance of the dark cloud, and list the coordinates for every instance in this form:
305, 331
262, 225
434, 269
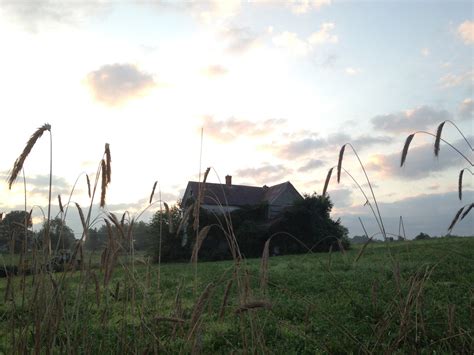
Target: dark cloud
420, 162
39, 184
265, 175
232, 128
311, 165
428, 213
214, 71
312, 143
114, 84
419, 118
239, 40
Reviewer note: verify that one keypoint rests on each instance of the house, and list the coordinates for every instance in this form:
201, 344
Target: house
227, 197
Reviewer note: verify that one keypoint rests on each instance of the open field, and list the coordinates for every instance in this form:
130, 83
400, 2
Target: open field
401, 296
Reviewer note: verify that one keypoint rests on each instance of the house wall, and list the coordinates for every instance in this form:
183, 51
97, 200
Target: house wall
219, 209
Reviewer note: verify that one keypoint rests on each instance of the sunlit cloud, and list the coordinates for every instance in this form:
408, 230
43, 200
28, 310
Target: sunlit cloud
216, 10
466, 109
404, 121
452, 80
114, 84
239, 40
324, 35
352, 71
292, 42
304, 6
214, 71
232, 128
466, 31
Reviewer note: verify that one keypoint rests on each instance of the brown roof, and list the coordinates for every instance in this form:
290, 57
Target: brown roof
236, 195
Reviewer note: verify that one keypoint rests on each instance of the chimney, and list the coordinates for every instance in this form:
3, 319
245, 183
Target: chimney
228, 180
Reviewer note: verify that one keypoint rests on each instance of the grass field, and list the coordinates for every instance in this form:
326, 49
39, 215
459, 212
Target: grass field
405, 297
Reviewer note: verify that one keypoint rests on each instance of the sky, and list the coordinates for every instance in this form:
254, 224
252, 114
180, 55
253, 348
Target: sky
266, 91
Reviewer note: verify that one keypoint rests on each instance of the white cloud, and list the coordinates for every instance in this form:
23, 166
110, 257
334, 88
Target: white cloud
300, 46
304, 6
466, 31
323, 35
232, 128
291, 42
216, 10
33, 15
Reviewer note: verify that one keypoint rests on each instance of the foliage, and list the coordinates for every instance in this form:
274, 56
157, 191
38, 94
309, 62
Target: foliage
320, 303
61, 236
422, 236
304, 226
309, 220
166, 225
12, 231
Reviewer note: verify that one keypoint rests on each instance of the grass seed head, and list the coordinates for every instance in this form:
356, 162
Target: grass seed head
467, 211
152, 192
60, 204
455, 219
108, 161
88, 185
18, 165
405, 148
339, 163
326, 183
438, 138
461, 173
104, 183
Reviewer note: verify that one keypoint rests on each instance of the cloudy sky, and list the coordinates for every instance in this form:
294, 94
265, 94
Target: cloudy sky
276, 86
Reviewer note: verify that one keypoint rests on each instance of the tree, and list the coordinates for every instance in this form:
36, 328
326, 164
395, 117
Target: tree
96, 239
142, 236
13, 233
166, 224
61, 236
309, 220
422, 236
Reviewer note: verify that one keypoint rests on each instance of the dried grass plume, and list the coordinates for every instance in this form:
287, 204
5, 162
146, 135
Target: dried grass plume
18, 165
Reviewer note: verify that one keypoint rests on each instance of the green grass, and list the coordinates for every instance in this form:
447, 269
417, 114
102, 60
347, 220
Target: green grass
405, 297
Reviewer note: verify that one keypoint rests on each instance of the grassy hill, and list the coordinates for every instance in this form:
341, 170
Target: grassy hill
400, 297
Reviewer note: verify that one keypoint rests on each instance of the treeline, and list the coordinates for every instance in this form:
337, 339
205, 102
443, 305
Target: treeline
171, 234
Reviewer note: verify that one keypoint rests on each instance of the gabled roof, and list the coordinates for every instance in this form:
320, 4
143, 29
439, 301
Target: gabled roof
236, 195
